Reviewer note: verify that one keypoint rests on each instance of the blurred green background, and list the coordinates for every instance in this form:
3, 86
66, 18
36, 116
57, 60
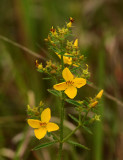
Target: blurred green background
99, 27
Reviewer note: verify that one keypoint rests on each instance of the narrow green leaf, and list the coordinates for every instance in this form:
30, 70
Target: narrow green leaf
78, 145
47, 78
39, 70
73, 102
54, 92
88, 82
44, 145
87, 129
73, 118
69, 56
62, 53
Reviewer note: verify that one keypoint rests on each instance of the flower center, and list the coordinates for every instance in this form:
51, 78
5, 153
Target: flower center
43, 124
69, 83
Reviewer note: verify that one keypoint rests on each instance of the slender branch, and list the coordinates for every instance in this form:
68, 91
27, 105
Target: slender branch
21, 47
86, 114
79, 125
69, 135
80, 118
55, 136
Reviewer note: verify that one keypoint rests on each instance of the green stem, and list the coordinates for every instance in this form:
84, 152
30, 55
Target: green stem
61, 118
55, 137
80, 125
61, 128
80, 118
86, 114
69, 135
62, 62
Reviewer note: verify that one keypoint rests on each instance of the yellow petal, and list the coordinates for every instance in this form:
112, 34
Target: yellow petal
61, 86
99, 95
67, 75
40, 133
58, 55
52, 127
76, 43
79, 82
71, 92
34, 123
67, 60
69, 24
46, 115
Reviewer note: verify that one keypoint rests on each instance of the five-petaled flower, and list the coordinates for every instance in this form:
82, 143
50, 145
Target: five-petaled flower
41, 127
71, 84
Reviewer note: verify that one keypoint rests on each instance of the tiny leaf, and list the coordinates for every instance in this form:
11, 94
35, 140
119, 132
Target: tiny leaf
54, 92
78, 145
46, 78
44, 145
67, 55
74, 118
73, 102
61, 53
87, 129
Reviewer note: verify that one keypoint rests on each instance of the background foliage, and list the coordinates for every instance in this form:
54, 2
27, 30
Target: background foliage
99, 28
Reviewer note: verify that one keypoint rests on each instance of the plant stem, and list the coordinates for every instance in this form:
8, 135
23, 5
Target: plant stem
80, 125
86, 114
69, 135
61, 127
62, 62
80, 118
61, 118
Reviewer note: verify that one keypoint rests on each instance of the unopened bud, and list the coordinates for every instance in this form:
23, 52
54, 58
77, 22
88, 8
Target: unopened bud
53, 66
75, 59
93, 104
53, 71
99, 95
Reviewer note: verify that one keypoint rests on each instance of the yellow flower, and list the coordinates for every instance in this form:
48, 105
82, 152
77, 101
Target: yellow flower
67, 60
41, 127
76, 43
71, 84
99, 95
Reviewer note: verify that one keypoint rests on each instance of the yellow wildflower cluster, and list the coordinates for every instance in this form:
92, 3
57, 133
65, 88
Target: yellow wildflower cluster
69, 75
50, 67
69, 50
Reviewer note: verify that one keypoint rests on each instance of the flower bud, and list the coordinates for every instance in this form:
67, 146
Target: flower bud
93, 104
99, 95
53, 71
53, 66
